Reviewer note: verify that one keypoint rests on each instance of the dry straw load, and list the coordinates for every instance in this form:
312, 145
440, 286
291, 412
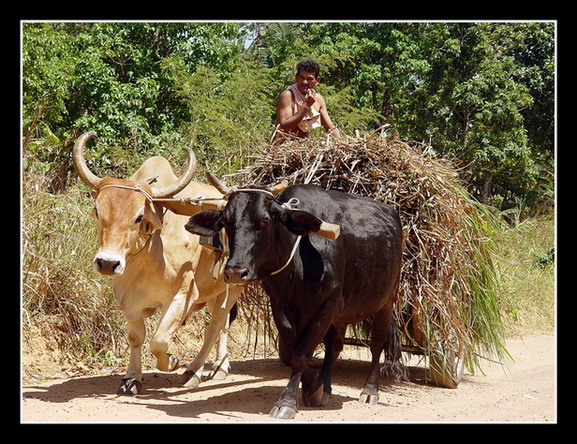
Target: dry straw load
448, 302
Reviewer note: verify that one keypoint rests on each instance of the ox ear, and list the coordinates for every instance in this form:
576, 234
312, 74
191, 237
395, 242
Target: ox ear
205, 223
151, 221
300, 222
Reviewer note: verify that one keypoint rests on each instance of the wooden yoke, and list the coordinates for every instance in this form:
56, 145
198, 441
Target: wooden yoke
328, 230
213, 204
193, 206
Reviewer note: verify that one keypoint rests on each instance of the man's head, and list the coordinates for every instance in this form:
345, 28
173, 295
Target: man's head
307, 75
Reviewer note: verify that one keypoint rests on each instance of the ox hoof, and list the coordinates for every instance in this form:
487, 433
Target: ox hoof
369, 397
190, 380
218, 374
283, 412
316, 399
130, 387
173, 363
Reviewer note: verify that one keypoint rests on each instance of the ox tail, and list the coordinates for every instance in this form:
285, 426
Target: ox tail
393, 367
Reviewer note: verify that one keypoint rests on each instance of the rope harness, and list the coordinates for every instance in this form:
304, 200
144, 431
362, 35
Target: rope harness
189, 200
291, 204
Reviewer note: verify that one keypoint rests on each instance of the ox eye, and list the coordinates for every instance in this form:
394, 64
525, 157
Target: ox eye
264, 222
138, 219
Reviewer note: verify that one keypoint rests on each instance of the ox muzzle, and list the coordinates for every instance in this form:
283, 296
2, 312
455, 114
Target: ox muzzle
237, 275
109, 264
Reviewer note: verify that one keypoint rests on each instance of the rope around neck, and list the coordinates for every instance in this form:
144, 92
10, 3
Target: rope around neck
294, 250
137, 187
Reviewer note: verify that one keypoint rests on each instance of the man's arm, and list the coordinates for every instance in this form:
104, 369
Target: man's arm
326, 121
284, 112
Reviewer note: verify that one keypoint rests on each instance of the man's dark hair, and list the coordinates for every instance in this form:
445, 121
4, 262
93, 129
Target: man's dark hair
309, 65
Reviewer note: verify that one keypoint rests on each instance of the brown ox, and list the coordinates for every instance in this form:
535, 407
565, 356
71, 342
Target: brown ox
156, 264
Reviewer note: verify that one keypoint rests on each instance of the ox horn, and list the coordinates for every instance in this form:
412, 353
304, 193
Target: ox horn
275, 189
85, 174
217, 183
181, 182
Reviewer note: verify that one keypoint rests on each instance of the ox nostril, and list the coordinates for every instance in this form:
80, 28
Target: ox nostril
243, 274
108, 266
236, 274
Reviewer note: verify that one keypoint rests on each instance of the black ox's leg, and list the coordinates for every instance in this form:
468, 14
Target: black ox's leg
286, 406
383, 335
334, 341
301, 350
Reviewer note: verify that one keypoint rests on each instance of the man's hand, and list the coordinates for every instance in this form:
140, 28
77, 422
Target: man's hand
310, 97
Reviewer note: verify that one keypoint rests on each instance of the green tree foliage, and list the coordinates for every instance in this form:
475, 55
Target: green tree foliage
230, 115
110, 78
479, 92
482, 93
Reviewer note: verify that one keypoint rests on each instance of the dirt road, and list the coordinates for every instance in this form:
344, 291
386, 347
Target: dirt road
525, 392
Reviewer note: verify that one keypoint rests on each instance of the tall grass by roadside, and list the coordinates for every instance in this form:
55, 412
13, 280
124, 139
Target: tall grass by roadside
62, 298
526, 261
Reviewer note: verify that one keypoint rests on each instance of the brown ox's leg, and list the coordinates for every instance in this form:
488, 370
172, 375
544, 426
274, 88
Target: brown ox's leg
170, 320
132, 380
219, 308
221, 366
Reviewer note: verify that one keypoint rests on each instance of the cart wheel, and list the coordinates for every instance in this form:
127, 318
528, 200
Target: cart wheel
446, 370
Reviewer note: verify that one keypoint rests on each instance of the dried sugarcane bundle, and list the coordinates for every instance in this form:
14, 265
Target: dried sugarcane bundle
448, 296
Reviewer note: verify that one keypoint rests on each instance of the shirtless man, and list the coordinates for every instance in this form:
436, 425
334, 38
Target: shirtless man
300, 108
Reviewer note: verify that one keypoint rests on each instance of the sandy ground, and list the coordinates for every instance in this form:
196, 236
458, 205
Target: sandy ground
525, 391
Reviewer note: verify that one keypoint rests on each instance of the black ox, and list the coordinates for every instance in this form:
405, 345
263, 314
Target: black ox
327, 285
